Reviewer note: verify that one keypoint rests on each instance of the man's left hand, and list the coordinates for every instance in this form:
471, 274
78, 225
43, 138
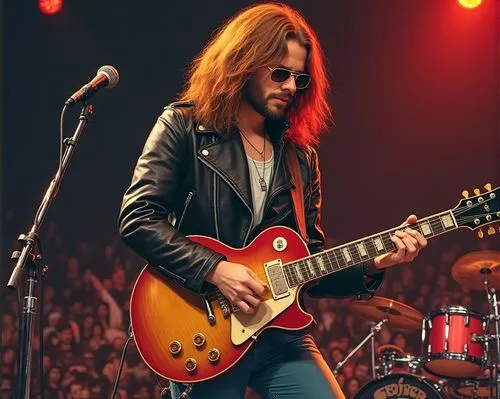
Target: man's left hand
409, 242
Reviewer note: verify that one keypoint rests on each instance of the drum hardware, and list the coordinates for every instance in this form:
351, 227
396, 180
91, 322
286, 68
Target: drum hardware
494, 378
484, 338
392, 360
373, 330
382, 310
480, 271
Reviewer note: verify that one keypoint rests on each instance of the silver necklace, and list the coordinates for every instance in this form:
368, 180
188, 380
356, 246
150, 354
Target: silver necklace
262, 181
261, 153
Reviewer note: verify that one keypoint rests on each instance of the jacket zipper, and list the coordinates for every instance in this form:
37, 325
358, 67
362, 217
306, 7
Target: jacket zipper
237, 193
283, 188
215, 203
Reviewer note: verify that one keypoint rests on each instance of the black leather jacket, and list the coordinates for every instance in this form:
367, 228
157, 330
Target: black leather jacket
181, 157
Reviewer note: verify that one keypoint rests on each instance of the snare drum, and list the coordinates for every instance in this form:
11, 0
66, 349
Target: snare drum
447, 345
392, 360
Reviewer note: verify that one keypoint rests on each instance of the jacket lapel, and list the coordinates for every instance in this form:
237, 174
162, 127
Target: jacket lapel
227, 158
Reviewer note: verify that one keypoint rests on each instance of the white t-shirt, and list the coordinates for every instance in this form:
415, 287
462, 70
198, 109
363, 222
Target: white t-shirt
258, 195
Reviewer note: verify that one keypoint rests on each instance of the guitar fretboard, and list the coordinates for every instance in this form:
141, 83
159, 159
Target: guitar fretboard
353, 253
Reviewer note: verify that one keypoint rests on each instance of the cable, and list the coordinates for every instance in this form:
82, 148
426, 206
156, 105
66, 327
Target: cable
118, 375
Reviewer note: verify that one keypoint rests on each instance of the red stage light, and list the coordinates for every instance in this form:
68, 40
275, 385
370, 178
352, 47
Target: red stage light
470, 3
50, 7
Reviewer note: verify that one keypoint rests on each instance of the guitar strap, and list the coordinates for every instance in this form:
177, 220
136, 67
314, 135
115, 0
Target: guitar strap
297, 190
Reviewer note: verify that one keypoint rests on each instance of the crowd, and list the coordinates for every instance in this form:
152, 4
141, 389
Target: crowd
86, 319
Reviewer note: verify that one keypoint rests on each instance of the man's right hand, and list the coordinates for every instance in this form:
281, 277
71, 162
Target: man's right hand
239, 284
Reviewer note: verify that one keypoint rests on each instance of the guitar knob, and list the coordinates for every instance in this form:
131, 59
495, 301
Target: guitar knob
480, 233
199, 340
465, 194
175, 347
190, 364
213, 355
491, 231
487, 186
477, 191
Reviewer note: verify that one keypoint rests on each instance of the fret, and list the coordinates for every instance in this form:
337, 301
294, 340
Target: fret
379, 245
310, 268
298, 273
416, 227
425, 228
313, 268
339, 258
288, 276
290, 273
305, 270
355, 254
331, 262
370, 246
387, 241
362, 249
322, 267
447, 222
437, 227
347, 255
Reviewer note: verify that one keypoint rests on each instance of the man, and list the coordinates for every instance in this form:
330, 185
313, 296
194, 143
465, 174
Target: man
258, 88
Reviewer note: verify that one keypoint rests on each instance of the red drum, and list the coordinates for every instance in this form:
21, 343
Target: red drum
447, 345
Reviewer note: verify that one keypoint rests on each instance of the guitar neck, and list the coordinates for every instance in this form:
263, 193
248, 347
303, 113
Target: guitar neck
353, 253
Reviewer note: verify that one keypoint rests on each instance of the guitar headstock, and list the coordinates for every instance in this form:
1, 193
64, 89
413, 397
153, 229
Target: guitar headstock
479, 210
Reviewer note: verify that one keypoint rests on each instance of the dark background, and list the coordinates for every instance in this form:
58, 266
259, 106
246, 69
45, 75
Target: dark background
416, 99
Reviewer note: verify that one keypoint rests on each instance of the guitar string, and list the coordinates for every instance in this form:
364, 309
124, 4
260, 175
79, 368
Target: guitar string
336, 265
371, 245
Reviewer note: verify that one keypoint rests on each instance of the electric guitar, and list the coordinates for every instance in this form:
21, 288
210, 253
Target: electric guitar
189, 338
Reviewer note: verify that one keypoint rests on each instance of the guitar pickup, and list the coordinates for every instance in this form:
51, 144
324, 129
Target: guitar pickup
276, 279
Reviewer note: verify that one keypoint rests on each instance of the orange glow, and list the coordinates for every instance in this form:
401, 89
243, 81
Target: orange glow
470, 3
50, 7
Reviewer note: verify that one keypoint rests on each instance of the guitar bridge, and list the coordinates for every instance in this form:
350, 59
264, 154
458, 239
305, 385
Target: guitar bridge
276, 278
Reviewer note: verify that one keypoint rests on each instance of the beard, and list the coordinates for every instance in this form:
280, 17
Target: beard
254, 95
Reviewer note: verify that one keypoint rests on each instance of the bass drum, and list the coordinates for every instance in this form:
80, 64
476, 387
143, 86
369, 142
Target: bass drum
400, 386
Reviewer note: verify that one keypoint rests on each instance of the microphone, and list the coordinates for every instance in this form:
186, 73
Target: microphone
107, 76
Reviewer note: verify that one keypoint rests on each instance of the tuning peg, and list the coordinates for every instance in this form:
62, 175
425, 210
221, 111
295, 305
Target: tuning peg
480, 233
465, 194
491, 231
476, 191
487, 186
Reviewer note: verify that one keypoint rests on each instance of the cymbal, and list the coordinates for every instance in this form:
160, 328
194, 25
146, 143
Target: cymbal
398, 314
470, 270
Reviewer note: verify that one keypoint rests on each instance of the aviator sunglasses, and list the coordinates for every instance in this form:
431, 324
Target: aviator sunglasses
281, 74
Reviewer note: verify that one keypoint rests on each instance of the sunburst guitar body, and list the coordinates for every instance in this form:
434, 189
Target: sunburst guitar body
172, 327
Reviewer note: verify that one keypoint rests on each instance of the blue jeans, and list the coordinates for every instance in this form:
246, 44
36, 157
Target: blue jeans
280, 365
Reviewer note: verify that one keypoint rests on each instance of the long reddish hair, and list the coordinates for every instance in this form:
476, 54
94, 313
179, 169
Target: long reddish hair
252, 39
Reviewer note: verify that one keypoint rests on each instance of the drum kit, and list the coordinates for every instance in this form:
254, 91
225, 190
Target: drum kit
459, 357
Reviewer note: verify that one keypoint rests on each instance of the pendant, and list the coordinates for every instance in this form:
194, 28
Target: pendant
263, 184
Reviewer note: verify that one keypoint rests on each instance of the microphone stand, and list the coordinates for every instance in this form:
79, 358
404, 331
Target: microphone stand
31, 256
